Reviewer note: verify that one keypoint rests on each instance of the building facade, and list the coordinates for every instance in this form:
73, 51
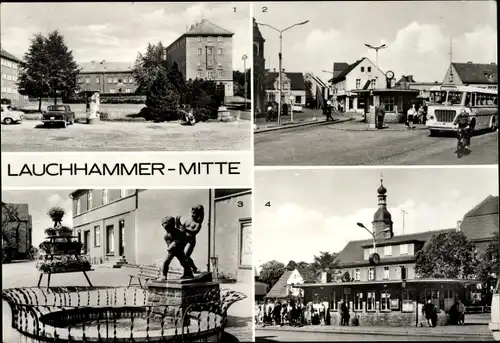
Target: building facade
205, 51
293, 85
259, 70
320, 91
472, 74
124, 225
360, 75
407, 82
107, 77
287, 286
10, 74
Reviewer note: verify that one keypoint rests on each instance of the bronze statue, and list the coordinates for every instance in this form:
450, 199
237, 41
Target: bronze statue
181, 239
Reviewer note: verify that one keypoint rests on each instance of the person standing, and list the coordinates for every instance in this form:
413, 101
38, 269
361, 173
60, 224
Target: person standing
411, 114
461, 312
380, 114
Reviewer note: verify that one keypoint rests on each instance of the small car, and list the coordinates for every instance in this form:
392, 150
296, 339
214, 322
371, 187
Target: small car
11, 116
297, 108
58, 114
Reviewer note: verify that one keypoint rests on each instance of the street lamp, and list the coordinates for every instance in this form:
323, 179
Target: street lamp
244, 58
377, 48
280, 60
374, 237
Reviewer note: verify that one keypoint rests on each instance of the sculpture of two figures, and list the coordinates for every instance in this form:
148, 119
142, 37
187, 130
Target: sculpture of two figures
180, 236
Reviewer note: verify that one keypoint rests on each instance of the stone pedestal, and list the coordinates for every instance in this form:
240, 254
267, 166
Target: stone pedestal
93, 120
181, 292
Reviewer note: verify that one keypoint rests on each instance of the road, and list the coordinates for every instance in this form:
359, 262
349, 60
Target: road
290, 336
127, 136
347, 144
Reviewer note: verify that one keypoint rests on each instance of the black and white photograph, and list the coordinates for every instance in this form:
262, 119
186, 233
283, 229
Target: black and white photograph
127, 264
376, 254
383, 83
125, 76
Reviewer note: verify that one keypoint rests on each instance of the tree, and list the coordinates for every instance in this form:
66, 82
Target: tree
148, 65
62, 70
489, 266
239, 83
271, 271
325, 262
447, 255
309, 93
307, 272
292, 265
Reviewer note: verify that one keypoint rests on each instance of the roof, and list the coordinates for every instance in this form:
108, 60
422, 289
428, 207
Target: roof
317, 79
279, 289
260, 288
207, 28
9, 56
482, 221
98, 67
471, 73
353, 252
223, 193
341, 76
296, 79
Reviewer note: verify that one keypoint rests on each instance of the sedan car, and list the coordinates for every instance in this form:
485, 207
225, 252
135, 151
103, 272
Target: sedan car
297, 108
11, 116
58, 114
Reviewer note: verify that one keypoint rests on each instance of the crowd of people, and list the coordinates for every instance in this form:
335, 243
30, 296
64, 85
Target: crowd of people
292, 312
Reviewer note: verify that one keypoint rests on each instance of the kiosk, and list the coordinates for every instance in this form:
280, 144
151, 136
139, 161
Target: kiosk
92, 106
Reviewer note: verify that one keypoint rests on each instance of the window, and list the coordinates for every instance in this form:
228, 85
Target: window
358, 83
219, 39
220, 50
199, 63
373, 84
76, 207
200, 75
4, 90
210, 51
87, 80
298, 99
437, 97
124, 80
105, 194
198, 39
112, 90
385, 301
115, 80
286, 85
403, 249
369, 69
358, 301
210, 63
389, 103
110, 80
362, 69
408, 301
97, 80
245, 248
209, 39
97, 198
370, 301
97, 236
9, 77
219, 62
357, 274
210, 75
333, 302
220, 73
128, 90
455, 98
386, 273
126, 192
371, 274
388, 250
89, 199
130, 80
114, 194
199, 51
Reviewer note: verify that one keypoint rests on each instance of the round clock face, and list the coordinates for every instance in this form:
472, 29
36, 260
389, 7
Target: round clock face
389, 74
375, 259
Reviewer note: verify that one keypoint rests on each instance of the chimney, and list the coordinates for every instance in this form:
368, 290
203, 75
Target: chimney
459, 224
469, 62
274, 69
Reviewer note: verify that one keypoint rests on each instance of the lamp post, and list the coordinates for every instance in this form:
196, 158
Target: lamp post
244, 58
377, 48
280, 61
372, 234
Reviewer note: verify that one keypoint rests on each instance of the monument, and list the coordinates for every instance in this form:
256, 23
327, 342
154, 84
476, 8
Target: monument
193, 286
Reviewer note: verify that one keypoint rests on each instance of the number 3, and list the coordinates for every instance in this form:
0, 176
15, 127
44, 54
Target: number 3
240, 204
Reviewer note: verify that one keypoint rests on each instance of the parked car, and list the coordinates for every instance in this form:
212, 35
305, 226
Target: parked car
58, 114
11, 116
297, 108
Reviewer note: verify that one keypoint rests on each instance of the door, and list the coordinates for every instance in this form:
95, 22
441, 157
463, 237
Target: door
110, 239
86, 240
449, 299
121, 242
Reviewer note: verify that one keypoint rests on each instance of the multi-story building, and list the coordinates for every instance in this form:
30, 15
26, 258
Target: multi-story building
107, 77
293, 85
124, 226
10, 74
259, 70
480, 75
205, 51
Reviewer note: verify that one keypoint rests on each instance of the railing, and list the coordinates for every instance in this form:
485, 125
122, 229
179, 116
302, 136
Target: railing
477, 309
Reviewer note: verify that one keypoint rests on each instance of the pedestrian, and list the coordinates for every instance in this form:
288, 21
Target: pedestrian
461, 312
380, 114
411, 114
345, 314
322, 314
421, 114
328, 317
269, 113
430, 312
329, 110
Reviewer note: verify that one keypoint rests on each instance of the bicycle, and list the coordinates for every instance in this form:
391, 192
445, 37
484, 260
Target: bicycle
461, 142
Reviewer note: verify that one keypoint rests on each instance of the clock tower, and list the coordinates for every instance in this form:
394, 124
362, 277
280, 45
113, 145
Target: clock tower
382, 220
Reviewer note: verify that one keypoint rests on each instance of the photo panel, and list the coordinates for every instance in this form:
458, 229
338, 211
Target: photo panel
415, 89
366, 254
127, 264
128, 76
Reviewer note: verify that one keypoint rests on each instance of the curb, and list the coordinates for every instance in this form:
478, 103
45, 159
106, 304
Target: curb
384, 333
292, 126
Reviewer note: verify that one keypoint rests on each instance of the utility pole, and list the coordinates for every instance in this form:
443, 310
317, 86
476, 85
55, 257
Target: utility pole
451, 60
404, 213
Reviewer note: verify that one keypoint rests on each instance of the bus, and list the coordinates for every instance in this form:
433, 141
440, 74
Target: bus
446, 102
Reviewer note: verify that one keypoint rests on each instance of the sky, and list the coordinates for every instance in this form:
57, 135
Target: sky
417, 34
116, 32
313, 210
40, 202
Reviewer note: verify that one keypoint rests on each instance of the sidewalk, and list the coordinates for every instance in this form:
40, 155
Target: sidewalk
470, 331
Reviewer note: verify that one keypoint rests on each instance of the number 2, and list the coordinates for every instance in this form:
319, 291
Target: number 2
264, 9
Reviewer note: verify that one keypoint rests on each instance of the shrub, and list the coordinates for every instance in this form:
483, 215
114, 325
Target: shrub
103, 115
50, 231
56, 212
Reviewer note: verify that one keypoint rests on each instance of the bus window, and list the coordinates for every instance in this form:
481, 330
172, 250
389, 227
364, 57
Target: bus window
473, 100
455, 98
468, 102
437, 97
495, 100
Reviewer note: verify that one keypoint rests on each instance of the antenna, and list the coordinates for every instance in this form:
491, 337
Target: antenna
404, 213
451, 60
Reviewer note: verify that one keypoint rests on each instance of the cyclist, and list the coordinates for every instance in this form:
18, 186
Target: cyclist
463, 122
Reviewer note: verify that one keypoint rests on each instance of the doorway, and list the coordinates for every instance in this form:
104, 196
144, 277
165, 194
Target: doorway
110, 239
121, 240
86, 240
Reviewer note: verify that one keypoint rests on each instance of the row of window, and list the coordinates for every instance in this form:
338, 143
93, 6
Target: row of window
371, 274
403, 250
111, 80
119, 90
9, 90
209, 39
210, 51
373, 82
10, 64
98, 197
9, 77
210, 63
368, 301
210, 74
369, 69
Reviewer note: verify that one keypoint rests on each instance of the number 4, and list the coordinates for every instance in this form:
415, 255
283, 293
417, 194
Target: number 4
268, 204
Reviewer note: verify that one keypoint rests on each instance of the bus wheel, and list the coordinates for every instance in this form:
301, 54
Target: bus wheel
494, 125
433, 133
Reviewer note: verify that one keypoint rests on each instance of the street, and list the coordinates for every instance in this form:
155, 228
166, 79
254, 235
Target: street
350, 144
290, 336
24, 274
127, 136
